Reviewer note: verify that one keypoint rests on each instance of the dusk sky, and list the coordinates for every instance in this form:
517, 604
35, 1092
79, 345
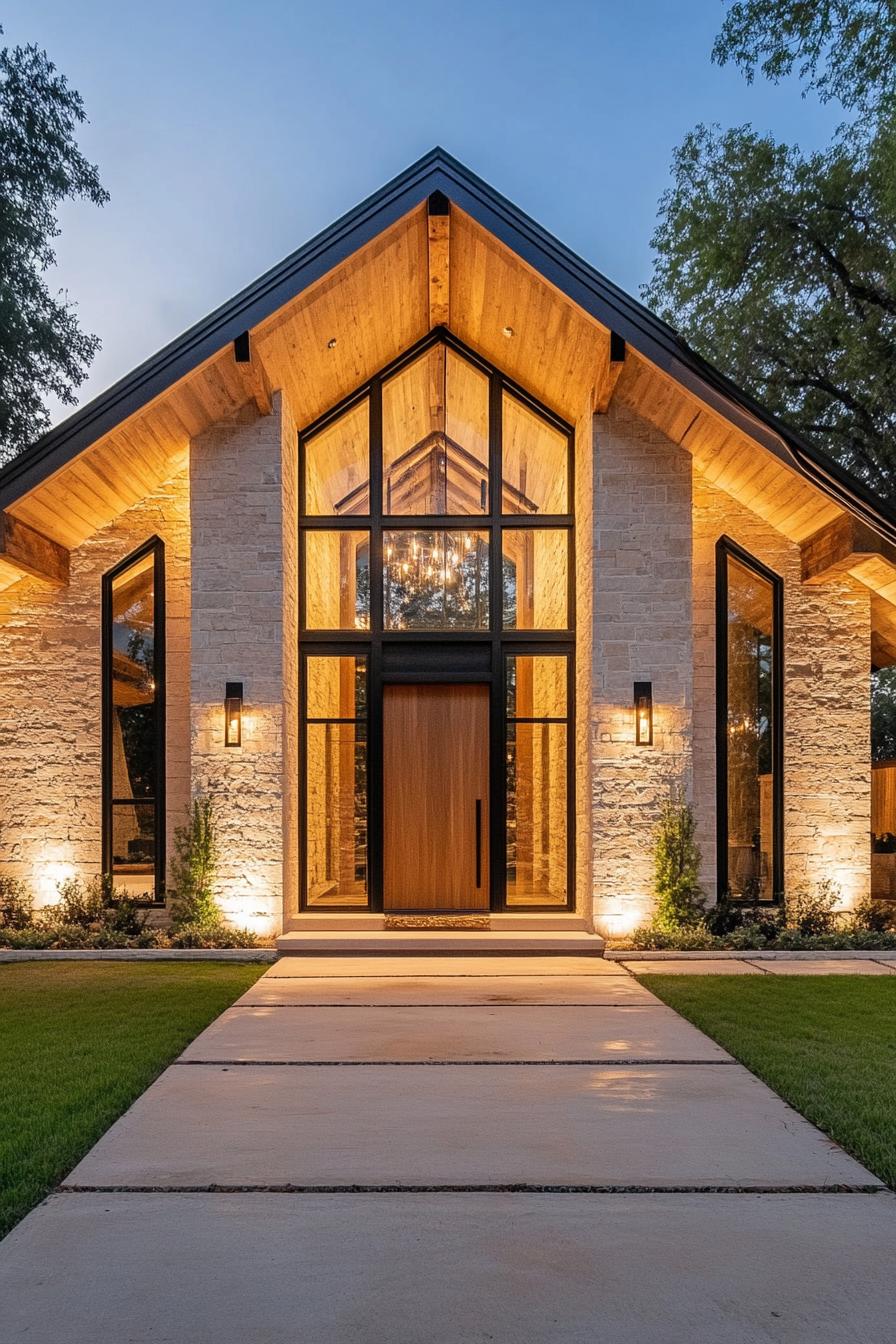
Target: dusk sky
227, 134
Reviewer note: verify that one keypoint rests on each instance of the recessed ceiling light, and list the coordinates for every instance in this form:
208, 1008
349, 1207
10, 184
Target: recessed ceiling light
331, 343
508, 332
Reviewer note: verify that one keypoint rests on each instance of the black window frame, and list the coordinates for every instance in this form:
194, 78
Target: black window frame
156, 547
482, 655
727, 550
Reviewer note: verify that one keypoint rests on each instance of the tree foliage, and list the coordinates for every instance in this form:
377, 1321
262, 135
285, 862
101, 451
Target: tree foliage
42, 348
779, 266
840, 49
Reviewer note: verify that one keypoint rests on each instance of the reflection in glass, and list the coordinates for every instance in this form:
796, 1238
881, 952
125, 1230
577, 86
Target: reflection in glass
435, 436
536, 686
337, 465
337, 580
535, 459
536, 765
132, 749
435, 580
336, 781
749, 731
535, 581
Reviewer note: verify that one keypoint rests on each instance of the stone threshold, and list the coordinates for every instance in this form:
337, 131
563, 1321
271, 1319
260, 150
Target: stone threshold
263, 954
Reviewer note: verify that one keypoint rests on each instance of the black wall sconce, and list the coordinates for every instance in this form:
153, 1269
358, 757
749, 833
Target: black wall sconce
233, 714
644, 713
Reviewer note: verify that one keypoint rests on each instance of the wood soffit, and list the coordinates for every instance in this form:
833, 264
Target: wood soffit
437, 265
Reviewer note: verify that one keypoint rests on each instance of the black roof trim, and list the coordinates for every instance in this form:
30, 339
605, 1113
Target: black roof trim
439, 172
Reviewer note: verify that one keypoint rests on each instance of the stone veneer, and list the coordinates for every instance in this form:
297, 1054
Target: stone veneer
242, 484
642, 632
51, 694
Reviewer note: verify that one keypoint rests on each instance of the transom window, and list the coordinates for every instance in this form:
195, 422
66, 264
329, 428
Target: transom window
438, 498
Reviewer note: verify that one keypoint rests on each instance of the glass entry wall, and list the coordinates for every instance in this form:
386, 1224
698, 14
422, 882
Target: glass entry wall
436, 536
133, 724
749, 732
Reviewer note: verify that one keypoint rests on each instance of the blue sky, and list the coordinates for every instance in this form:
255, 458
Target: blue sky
228, 133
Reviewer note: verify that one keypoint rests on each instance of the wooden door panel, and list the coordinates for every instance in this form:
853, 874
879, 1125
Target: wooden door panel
435, 768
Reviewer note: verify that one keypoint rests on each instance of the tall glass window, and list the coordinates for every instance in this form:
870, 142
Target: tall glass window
133, 727
536, 761
335, 743
749, 733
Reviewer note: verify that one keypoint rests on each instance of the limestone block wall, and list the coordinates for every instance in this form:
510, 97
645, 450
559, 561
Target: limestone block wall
642, 631
238, 480
51, 698
827, 755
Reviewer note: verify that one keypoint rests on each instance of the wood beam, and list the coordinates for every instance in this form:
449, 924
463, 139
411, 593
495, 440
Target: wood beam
27, 551
439, 221
839, 547
611, 364
253, 374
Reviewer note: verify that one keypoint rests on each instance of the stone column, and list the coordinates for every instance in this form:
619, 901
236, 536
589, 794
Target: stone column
642, 632
242, 485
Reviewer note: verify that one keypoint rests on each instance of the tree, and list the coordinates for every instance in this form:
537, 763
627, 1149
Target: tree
780, 267
841, 49
42, 348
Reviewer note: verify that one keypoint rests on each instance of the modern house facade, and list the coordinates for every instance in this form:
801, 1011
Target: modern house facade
437, 562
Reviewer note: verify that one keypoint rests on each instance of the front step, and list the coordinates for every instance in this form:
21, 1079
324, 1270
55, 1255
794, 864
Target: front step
466, 942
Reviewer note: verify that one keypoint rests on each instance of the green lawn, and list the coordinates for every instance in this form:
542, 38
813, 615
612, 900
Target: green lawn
827, 1044
78, 1042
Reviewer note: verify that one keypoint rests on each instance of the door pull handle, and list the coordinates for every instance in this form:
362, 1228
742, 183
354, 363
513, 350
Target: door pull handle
478, 843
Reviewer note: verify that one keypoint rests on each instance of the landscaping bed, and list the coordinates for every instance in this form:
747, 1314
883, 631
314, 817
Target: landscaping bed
827, 1045
79, 1041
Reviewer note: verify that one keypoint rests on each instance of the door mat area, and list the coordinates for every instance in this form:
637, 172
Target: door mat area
436, 922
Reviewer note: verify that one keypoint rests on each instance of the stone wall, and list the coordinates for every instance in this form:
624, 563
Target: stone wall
239, 526
642, 632
827, 755
51, 695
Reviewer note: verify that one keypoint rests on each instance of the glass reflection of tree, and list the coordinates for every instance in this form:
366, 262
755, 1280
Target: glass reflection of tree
435, 580
749, 739
134, 673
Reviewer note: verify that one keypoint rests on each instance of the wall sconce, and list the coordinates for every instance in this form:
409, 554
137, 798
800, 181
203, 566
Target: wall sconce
233, 714
643, 713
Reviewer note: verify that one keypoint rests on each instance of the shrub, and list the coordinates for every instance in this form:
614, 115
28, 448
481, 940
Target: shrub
734, 917
871, 916
812, 910
209, 934
80, 904
651, 938
194, 869
15, 904
676, 867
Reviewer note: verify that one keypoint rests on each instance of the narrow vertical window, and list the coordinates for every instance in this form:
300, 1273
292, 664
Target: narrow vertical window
537, 780
335, 741
749, 739
133, 724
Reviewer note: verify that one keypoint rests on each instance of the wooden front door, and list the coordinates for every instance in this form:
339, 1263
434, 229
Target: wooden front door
435, 797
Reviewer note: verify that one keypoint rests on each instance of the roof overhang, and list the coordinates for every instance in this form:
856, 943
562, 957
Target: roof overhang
195, 380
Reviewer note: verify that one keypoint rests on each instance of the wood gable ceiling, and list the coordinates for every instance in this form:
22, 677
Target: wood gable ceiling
504, 288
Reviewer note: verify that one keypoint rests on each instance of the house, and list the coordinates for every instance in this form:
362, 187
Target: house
437, 561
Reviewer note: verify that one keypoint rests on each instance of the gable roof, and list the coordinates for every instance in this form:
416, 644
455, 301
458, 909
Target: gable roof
439, 172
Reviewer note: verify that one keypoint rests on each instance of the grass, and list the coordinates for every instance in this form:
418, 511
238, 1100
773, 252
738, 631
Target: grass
78, 1042
826, 1044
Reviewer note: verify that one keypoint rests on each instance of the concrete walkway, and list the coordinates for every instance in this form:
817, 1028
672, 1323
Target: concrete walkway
422, 1151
